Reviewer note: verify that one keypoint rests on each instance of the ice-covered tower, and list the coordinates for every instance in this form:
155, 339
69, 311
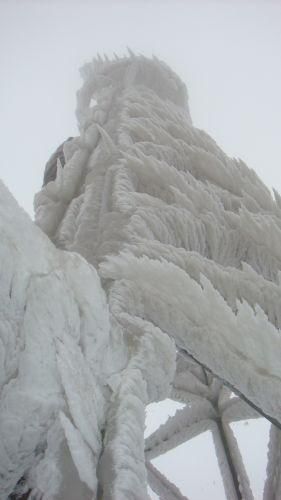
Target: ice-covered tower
124, 108
187, 244
177, 230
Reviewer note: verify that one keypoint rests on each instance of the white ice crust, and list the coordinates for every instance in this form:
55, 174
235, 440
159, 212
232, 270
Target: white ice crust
154, 240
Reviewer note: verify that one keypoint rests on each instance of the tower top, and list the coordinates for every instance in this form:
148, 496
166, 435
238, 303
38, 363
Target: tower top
102, 75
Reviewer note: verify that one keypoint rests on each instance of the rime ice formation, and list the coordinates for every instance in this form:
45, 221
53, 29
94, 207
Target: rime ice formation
176, 291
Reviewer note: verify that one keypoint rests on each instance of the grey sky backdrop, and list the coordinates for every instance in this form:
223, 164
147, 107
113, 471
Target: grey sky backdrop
228, 53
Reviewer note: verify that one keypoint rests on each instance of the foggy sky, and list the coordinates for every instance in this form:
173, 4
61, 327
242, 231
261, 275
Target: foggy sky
226, 52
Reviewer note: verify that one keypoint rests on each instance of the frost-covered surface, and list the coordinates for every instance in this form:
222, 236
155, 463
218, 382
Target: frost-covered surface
54, 333
61, 363
174, 223
187, 243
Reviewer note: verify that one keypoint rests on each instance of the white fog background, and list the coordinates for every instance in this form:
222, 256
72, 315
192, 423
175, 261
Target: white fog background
227, 53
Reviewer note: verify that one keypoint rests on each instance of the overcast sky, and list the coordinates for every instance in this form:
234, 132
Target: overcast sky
228, 54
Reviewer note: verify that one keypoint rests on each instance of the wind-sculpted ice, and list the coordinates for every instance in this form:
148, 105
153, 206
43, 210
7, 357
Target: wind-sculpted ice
68, 374
180, 254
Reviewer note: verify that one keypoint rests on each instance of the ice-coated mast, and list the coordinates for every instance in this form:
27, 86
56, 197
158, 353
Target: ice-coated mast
177, 280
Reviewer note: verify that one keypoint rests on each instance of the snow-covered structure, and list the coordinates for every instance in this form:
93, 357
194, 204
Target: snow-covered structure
157, 276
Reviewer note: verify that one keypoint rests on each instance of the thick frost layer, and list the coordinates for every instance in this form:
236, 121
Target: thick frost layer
190, 225
52, 306
60, 378
187, 244
187, 240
